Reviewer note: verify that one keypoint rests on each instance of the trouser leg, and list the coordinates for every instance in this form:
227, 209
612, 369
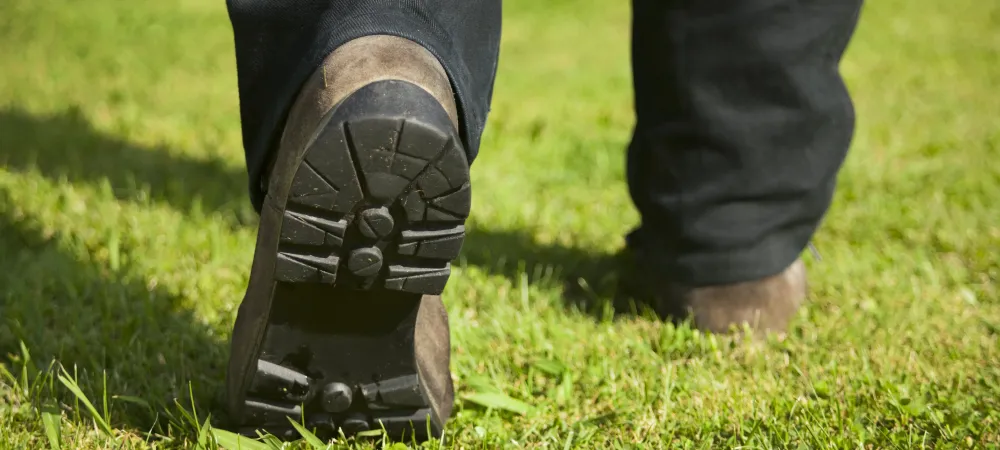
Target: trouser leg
743, 122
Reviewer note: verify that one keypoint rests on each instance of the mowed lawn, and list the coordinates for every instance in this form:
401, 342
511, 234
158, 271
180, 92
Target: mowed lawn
126, 238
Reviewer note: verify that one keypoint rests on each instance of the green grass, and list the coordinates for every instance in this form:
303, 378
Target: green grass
126, 239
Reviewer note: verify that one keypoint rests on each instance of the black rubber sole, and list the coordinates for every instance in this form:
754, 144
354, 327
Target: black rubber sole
373, 217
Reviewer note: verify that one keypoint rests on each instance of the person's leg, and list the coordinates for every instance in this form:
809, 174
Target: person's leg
743, 122
279, 44
360, 169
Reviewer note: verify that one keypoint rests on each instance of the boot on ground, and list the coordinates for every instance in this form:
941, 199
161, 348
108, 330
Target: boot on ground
342, 326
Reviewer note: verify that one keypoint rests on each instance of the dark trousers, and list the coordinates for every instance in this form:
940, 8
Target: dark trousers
743, 120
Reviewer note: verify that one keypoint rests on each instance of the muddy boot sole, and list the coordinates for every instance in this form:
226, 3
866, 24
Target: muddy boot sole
356, 336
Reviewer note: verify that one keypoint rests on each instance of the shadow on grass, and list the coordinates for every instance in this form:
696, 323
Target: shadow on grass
588, 280
68, 308
66, 145
102, 322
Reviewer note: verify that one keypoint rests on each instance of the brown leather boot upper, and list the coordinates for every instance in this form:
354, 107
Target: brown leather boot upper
765, 305
350, 67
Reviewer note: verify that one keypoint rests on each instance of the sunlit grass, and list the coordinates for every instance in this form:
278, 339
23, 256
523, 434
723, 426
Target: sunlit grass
126, 238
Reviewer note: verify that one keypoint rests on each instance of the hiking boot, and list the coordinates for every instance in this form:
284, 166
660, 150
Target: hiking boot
765, 305
342, 327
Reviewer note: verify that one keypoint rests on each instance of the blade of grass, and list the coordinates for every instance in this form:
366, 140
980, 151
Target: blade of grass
52, 422
232, 441
187, 418
7, 375
550, 367
133, 400
194, 409
71, 384
499, 400
204, 433
104, 397
271, 440
309, 437
370, 434
480, 383
25, 385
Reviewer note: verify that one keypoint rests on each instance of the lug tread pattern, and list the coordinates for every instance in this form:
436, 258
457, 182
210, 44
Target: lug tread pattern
441, 244
278, 392
401, 184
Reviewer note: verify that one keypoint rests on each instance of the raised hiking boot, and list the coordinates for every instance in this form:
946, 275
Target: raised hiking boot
765, 305
342, 327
